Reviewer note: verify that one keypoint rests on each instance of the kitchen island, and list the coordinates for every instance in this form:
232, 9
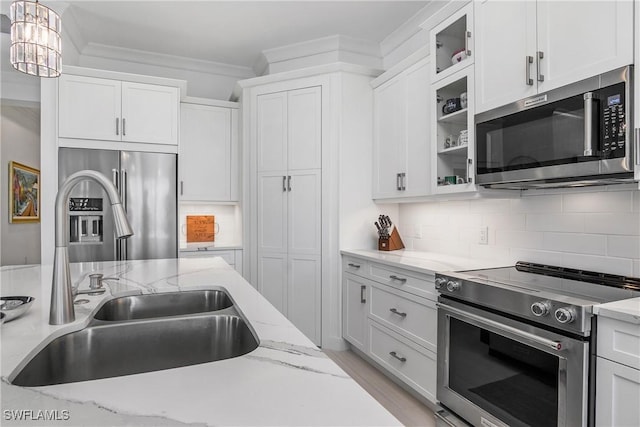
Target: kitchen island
285, 381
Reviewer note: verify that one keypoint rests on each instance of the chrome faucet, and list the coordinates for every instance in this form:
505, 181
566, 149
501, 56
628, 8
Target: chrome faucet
62, 291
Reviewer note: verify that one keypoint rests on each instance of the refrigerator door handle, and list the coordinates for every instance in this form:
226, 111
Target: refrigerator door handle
123, 189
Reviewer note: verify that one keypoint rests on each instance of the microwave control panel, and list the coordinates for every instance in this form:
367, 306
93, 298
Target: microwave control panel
613, 121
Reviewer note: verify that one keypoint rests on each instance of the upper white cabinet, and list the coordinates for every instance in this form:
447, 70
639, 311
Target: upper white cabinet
526, 47
112, 110
208, 154
401, 152
453, 133
452, 41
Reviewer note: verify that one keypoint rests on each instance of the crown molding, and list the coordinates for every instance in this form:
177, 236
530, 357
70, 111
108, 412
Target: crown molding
164, 60
336, 46
71, 30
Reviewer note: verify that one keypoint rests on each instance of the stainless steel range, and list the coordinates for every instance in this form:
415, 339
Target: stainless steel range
516, 345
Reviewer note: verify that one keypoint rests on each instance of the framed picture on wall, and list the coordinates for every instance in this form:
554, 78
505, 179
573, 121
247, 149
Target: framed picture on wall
24, 193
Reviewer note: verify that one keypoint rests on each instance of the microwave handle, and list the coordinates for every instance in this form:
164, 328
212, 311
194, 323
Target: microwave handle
590, 108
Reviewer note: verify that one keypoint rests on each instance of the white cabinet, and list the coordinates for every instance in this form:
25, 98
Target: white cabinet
617, 373
524, 48
289, 205
453, 135
453, 36
208, 153
390, 315
112, 110
401, 134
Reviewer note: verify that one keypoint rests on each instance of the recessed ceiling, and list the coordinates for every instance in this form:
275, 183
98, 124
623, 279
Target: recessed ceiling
233, 32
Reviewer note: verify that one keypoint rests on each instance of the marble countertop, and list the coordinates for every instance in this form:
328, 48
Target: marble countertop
285, 381
422, 262
627, 310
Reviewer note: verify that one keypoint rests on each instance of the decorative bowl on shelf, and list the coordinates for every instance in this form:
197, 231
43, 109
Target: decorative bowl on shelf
14, 307
458, 56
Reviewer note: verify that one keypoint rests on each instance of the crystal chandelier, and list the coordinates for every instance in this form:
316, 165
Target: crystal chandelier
35, 39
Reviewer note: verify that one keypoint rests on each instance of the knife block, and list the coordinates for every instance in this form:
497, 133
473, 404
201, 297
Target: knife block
391, 243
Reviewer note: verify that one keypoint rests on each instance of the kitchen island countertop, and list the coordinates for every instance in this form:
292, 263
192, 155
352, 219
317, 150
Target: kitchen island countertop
285, 381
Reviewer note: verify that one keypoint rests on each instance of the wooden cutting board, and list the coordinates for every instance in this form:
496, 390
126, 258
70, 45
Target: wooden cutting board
200, 228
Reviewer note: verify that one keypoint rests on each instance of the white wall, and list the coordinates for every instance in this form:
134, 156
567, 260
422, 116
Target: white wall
20, 136
593, 229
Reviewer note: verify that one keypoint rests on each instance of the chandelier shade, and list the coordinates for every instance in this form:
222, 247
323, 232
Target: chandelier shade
36, 45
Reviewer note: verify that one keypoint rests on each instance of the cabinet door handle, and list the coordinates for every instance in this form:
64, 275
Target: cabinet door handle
470, 171
284, 183
363, 298
466, 43
527, 70
539, 66
399, 279
395, 355
289, 183
117, 126
399, 313
353, 265
182, 190
123, 127
403, 177
398, 187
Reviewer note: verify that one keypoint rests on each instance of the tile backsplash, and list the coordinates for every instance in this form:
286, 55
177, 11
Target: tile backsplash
594, 229
227, 217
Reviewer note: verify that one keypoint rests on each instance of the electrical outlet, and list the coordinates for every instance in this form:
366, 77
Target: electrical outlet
484, 236
417, 231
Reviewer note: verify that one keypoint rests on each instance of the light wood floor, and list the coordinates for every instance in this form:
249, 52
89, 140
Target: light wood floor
406, 408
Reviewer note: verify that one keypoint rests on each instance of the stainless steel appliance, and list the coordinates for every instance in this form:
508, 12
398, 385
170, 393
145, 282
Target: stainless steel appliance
579, 134
147, 186
516, 345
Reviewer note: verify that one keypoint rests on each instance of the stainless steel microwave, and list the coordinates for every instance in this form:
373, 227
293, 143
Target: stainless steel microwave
579, 134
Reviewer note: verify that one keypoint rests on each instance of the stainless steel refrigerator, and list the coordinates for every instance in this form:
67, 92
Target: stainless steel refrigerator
147, 186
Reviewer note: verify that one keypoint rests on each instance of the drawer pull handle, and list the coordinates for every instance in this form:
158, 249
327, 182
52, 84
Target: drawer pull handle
353, 265
363, 299
399, 279
399, 313
400, 358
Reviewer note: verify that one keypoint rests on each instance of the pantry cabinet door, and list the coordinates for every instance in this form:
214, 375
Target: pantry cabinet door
271, 132
89, 108
505, 52
304, 117
580, 40
304, 294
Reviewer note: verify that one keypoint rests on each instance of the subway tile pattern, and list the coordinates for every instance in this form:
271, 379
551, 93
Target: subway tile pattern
590, 228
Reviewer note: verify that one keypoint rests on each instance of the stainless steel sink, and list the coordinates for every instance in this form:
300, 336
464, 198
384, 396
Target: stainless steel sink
104, 350
164, 304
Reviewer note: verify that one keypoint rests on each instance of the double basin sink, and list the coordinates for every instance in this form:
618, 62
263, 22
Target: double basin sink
144, 333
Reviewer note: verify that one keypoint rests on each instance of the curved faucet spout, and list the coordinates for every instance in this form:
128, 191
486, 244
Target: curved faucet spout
61, 291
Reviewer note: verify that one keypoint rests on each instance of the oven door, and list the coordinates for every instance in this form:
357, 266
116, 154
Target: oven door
496, 371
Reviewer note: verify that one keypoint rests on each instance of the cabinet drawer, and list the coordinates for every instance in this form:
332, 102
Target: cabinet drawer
415, 320
619, 341
422, 285
228, 256
355, 266
412, 364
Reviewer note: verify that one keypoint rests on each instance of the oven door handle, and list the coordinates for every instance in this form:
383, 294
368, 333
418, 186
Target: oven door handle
555, 345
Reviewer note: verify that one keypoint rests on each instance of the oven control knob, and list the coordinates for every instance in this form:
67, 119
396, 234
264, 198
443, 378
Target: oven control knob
453, 286
565, 315
440, 282
540, 309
